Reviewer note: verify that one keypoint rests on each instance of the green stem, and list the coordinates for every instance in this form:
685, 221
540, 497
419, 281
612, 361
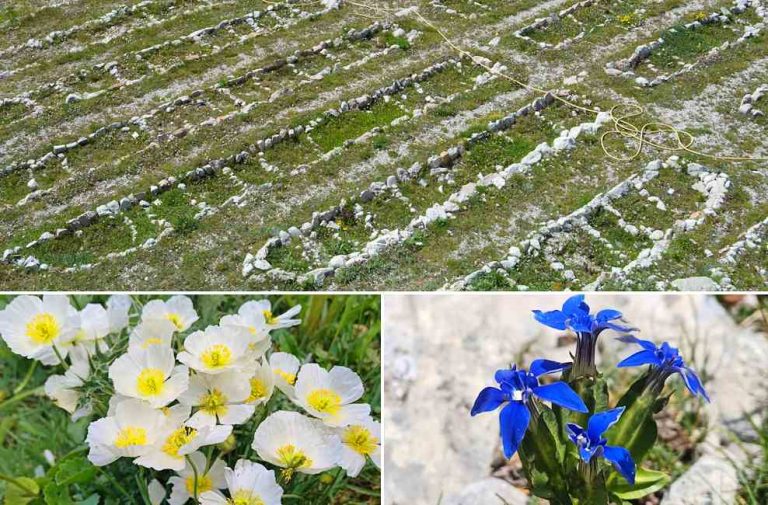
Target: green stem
61, 360
117, 485
26, 379
194, 471
18, 484
20, 396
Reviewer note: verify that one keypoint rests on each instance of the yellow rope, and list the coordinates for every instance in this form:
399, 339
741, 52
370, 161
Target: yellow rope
622, 126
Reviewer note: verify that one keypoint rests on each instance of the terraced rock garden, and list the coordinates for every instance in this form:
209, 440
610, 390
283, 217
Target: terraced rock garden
219, 144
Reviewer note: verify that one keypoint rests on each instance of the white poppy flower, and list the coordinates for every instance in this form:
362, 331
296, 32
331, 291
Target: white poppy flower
262, 382
152, 332
250, 316
219, 398
177, 309
132, 430
271, 321
207, 481
359, 441
248, 484
156, 492
93, 327
285, 366
62, 389
31, 326
329, 395
149, 374
216, 350
297, 443
117, 312
177, 440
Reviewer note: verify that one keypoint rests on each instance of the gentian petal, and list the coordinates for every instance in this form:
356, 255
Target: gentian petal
575, 304
631, 339
574, 430
599, 423
561, 394
554, 318
505, 375
622, 461
545, 366
513, 420
640, 358
580, 322
606, 315
618, 327
489, 399
693, 383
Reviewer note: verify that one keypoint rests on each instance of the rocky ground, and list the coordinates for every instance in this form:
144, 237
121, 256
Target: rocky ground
443, 349
252, 144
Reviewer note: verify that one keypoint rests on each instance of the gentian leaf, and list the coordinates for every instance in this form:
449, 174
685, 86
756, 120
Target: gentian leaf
561, 394
514, 419
646, 482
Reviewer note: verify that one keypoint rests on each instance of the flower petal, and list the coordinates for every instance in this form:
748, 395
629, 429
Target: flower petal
545, 366
622, 460
513, 420
693, 383
606, 315
631, 339
640, 358
599, 423
575, 304
489, 399
554, 318
561, 394
574, 430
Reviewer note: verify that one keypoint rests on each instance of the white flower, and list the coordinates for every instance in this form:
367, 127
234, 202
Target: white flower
149, 374
219, 397
178, 310
93, 327
131, 430
359, 441
249, 484
177, 440
251, 318
217, 350
62, 389
207, 481
156, 492
329, 395
297, 443
31, 326
117, 312
262, 382
271, 321
285, 367
152, 332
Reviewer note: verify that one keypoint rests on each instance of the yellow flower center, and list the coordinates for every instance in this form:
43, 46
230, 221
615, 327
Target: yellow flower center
244, 497
131, 436
258, 390
360, 440
217, 356
293, 458
178, 439
151, 341
176, 320
325, 401
269, 318
290, 378
214, 403
151, 382
43, 329
204, 483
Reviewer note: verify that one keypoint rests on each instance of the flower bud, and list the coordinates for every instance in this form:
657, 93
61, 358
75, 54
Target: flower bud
326, 478
228, 445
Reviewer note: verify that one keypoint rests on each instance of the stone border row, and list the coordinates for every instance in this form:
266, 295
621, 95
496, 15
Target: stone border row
749, 102
541, 23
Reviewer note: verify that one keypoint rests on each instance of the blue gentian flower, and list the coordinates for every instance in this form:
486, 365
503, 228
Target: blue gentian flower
516, 387
665, 360
575, 315
591, 443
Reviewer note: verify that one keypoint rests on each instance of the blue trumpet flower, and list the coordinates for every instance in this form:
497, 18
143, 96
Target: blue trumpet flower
575, 315
516, 387
665, 360
591, 443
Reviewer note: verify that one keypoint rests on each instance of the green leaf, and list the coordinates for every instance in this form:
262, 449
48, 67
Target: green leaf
57, 495
15, 495
643, 441
646, 482
77, 470
91, 500
634, 391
